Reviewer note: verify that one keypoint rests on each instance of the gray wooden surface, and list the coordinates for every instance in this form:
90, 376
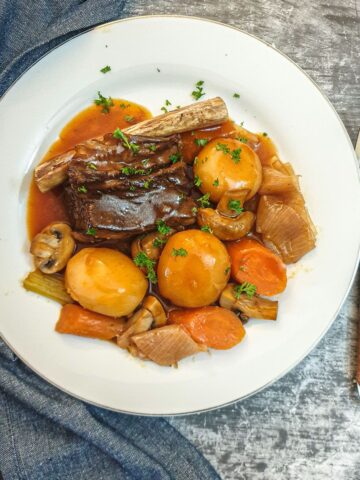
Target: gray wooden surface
307, 425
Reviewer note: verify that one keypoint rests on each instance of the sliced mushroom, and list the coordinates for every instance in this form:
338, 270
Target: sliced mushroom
223, 227
141, 321
153, 305
151, 244
252, 307
238, 195
53, 247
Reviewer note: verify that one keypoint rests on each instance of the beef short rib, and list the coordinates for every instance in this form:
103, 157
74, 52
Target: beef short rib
115, 193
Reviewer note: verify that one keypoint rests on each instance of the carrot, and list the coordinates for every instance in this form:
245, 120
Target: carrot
254, 263
78, 321
214, 327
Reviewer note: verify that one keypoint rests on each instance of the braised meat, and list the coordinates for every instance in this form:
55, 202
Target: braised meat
117, 192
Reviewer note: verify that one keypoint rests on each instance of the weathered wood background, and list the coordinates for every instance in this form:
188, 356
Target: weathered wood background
307, 425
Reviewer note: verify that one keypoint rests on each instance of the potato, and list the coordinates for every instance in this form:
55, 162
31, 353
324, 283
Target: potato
105, 281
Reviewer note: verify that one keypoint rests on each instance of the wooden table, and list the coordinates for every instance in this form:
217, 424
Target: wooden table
307, 425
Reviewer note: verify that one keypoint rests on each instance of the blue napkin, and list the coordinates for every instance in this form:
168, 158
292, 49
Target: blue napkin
44, 433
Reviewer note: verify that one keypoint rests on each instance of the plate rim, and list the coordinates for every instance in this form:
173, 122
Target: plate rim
354, 272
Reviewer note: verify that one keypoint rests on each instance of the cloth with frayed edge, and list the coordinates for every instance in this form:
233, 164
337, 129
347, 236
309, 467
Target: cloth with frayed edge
44, 433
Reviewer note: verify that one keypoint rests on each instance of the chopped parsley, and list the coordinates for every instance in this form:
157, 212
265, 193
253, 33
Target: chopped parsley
122, 105
152, 148
204, 200
194, 210
143, 261
206, 228
179, 252
216, 183
235, 206
201, 142
105, 69
236, 95
121, 136
82, 189
146, 184
129, 118
106, 103
197, 181
235, 155
158, 242
265, 134
199, 91
167, 104
132, 188
175, 157
242, 139
158, 69
91, 231
135, 171
222, 147
91, 165
162, 228
245, 287
227, 270
196, 160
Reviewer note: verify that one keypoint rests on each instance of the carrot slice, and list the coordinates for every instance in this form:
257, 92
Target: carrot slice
214, 327
254, 263
78, 321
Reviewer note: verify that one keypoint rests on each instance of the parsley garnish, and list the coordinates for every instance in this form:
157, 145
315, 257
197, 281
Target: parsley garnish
162, 227
129, 118
227, 270
222, 147
135, 171
194, 210
179, 252
121, 136
91, 165
175, 157
216, 183
197, 181
235, 155
245, 287
236, 95
242, 139
122, 105
91, 231
265, 134
201, 142
206, 228
204, 200
199, 91
152, 148
82, 189
158, 242
196, 160
106, 103
167, 103
235, 205
158, 69
105, 69
132, 188
146, 184
143, 261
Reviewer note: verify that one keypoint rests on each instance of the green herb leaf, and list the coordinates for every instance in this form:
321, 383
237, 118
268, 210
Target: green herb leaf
194, 210
152, 148
129, 118
227, 270
236, 206
105, 69
167, 103
91, 231
235, 155
159, 242
162, 227
82, 189
216, 183
147, 183
179, 252
132, 188
201, 142
242, 139
222, 147
265, 134
206, 228
197, 181
135, 171
175, 157
106, 103
164, 109
121, 136
143, 261
245, 287
91, 165
122, 105
196, 160
236, 95
204, 200
199, 91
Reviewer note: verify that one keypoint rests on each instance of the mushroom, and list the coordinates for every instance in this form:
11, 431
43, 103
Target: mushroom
237, 195
52, 247
151, 313
253, 307
151, 244
226, 228
153, 305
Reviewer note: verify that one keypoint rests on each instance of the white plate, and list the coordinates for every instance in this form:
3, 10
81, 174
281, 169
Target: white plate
276, 97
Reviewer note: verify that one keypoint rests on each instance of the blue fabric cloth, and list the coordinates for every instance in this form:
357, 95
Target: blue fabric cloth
44, 433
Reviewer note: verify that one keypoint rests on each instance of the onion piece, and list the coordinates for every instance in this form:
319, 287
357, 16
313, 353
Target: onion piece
274, 182
283, 227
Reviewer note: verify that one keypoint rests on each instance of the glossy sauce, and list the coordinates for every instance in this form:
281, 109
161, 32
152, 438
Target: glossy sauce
44, 208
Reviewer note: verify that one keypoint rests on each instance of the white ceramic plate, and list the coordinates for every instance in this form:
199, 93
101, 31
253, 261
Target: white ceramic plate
276, 97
